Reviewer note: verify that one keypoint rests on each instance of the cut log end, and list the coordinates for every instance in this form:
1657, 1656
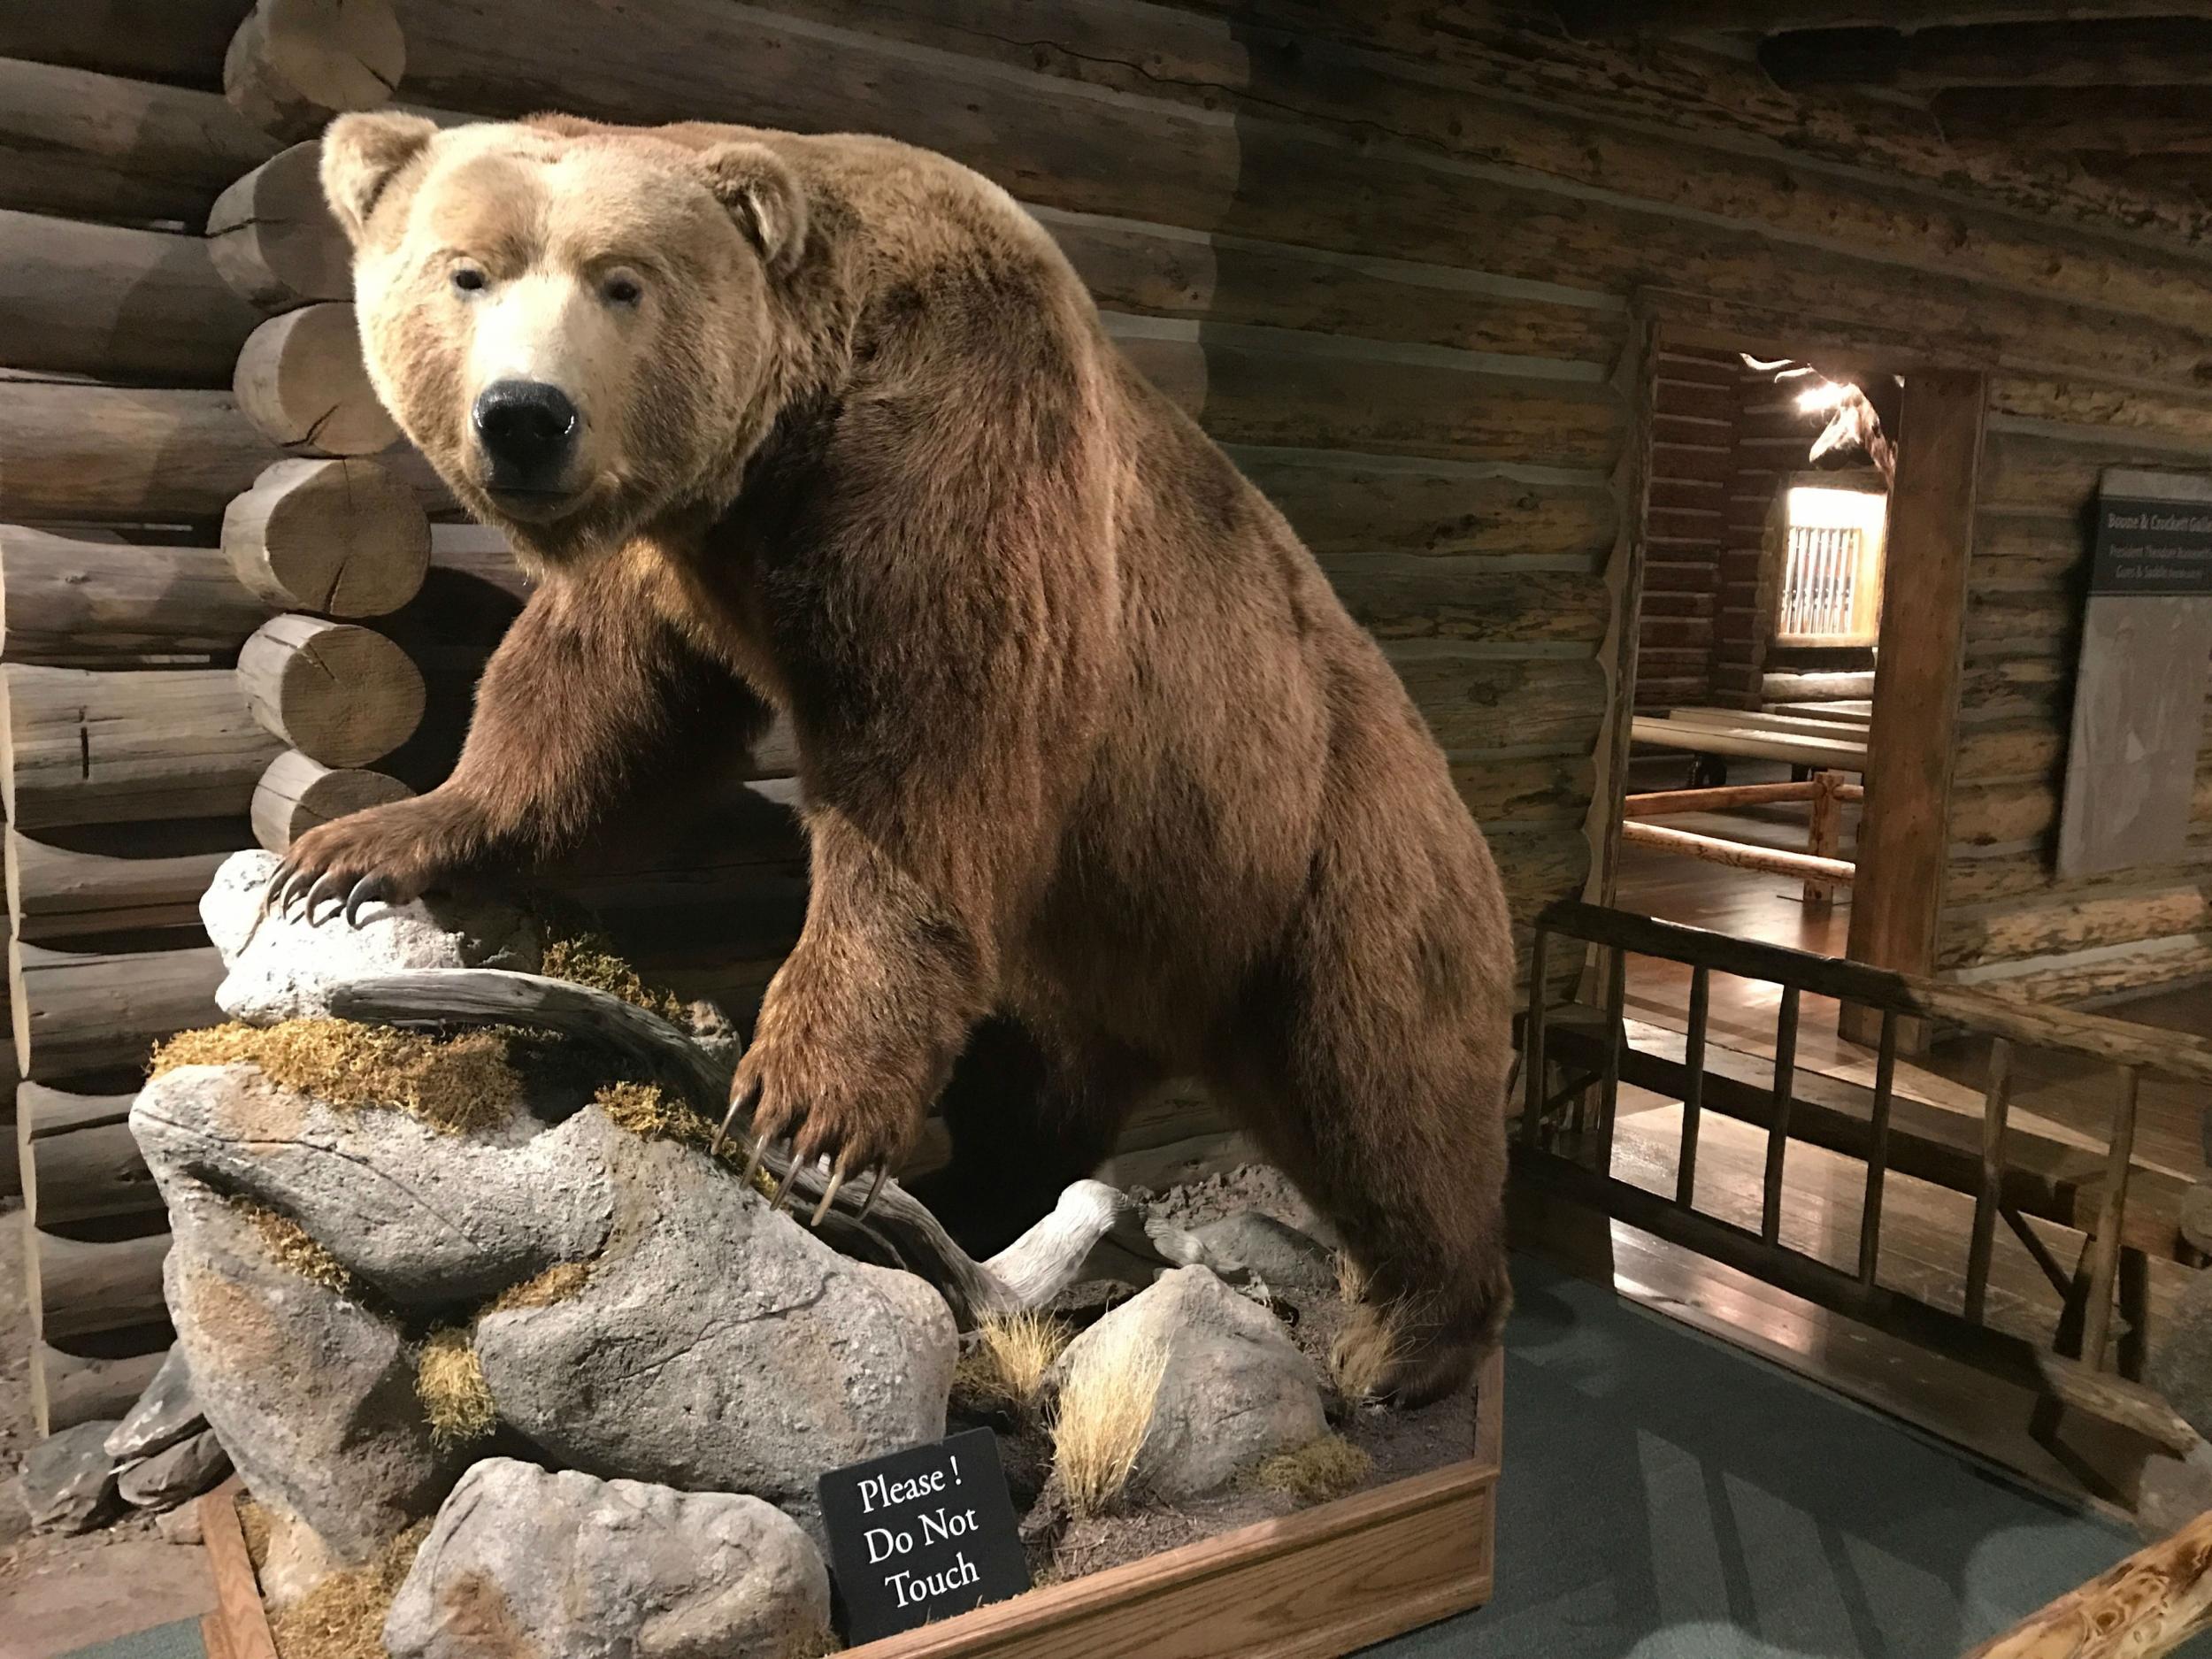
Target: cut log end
302, 381
339, 537
299, 793
294, 64
273, 239
340, 694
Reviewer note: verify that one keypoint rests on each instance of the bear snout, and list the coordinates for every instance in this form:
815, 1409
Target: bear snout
527, 431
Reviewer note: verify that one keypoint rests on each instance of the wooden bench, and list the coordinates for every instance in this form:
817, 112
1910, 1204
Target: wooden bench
1742, 734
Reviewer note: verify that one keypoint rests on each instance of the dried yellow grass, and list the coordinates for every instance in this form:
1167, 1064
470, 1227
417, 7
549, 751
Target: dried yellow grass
590, 959
254, 1523
449, 1382
453, 1084
1006, 1363
557, 1283
1351, 1281
645, 1110
1105, 1408
1320, 1469
294, 1247
343, 1617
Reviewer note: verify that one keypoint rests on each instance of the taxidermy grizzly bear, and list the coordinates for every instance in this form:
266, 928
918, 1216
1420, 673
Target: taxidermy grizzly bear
1102, 784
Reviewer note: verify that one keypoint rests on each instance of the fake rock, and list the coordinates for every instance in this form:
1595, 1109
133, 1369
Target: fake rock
1283, 1257
170, 1477
69, 1480
166, 1414
1234, 1389
278, 967
716, 1346
525, 1562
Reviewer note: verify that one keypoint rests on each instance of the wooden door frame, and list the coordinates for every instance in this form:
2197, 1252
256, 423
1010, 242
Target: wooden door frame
1904, 832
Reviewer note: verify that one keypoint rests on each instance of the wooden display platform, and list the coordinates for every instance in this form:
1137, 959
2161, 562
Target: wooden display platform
1323, 1582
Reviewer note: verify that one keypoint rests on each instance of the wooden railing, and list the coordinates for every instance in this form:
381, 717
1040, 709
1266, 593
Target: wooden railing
1575, 1064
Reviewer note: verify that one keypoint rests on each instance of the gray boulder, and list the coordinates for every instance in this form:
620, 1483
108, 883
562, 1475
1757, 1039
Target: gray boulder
313, 1394
1283, 1257
279, 968
1234, 1389
166, 1414
68, 1480
171, 1475
717, 1347
420, 1215
527, 1562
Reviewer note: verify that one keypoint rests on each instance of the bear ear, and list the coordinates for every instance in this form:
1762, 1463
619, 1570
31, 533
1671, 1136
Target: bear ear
763, 195
362, 154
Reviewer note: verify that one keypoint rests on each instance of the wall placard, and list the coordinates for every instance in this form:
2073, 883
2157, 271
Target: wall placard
2140, 679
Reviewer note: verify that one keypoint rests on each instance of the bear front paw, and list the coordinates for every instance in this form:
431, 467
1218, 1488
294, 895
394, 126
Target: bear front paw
388, 854
823, 1111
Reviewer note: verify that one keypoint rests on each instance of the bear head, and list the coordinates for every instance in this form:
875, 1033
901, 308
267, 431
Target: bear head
579, 330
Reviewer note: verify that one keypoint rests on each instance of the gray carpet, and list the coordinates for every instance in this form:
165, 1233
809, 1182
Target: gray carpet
1666, 1497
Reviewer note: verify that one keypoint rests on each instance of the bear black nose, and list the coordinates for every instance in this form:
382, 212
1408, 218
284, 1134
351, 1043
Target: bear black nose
527, 429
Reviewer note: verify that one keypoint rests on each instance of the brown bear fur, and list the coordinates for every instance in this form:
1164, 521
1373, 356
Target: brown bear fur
1102, 784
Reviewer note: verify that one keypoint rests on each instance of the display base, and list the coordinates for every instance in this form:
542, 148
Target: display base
1324, 1581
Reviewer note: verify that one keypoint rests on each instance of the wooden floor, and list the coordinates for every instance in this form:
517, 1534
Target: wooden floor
1925, 1228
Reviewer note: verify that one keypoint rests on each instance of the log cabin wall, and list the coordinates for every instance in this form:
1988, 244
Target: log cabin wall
2008, 921
1696, 407
1405, 261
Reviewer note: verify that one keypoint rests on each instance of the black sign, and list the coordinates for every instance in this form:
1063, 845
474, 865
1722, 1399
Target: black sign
2152, 547
921, 1535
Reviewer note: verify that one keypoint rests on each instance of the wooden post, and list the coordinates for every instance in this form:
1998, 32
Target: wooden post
1693, 1088
2104, 1245
1532, 1062
1904, 834
2148, 1605
1996, 1106
1878, 1150
1778, 1134
1615, 1034
1824, 837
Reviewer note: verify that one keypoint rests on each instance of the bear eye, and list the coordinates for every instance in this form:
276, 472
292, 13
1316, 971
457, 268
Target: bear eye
622, 291
468, 278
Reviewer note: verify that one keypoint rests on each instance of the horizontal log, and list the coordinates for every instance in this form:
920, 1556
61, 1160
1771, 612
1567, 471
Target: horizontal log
2054, 925
2095, 975
1276, 388
2003, 619
1988, 754
95, 146
2012, 688
67, 1388
1500, 789
2149, 1604
1817, 688
2052, 469
2114, 52
2129, 120
1161, 270
82, 1163
271, 238
1727, 798
1797, 748
2112, 412
80, 1289
57, 893
1539, 865
339, 694
2002, 814
92, 599
299, 793
179, 41
113, 302
1473, 701
2052, 545
301, 380
82, 1013
1361, 503
295, 64
87, 747
1974, 877
1713, 849
83, 453
1412, 596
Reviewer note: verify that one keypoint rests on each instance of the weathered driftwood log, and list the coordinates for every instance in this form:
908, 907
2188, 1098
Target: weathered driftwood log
69, 1388
114, 302
83, 453
339, 694
82, 1164
1094, 1233
294, 64
2148, 1605
80, 1289
80, 1012
58, 893
299, 793
92, 598
301, 380
271, 238
84, 747
338, 537
93, 146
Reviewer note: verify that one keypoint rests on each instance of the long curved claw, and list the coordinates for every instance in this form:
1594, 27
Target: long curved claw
329, 885
739, 1103
368, 890
829, 1193
752, 1164
790, 1174
274, 885
875, 1189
